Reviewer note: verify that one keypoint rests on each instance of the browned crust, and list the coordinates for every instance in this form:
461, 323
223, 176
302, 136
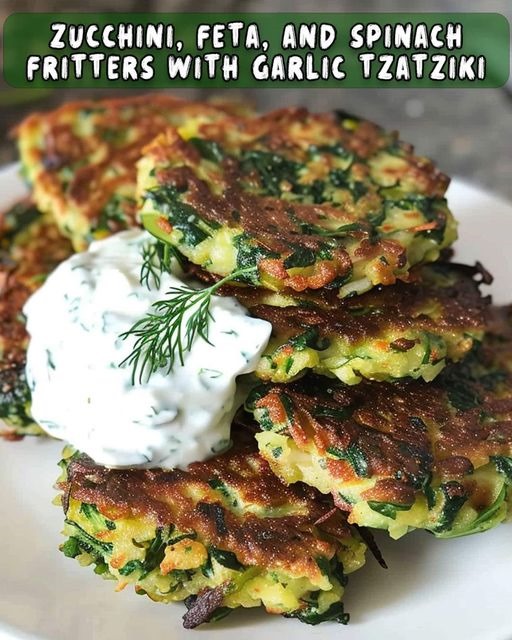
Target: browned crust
89, 187
31, 257
357, 319
203, 606
401, 432
263, 217
287, 542
13, 335
39, 250
276, 222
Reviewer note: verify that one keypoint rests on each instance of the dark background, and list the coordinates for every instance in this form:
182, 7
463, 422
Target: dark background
468, 132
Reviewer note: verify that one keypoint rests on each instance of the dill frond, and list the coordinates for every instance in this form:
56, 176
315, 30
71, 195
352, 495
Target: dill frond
165, 334
156, 259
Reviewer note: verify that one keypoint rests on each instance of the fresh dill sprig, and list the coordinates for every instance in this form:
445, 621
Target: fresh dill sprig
165, 335
152, 266
156, 259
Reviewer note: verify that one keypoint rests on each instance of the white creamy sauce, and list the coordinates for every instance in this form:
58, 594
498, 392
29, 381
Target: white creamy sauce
80, 393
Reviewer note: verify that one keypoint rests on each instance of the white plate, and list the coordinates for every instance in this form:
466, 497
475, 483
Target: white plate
442, 589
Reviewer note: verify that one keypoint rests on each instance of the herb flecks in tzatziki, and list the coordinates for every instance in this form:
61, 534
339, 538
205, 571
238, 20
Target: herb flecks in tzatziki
80, 393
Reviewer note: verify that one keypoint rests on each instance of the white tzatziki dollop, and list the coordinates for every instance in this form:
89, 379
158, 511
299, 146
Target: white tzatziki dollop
81, 395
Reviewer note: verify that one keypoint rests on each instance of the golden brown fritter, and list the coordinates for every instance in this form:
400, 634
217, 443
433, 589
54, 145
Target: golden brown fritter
30, 247
400, 455
227, 526
297, 200
410, 329
81, 158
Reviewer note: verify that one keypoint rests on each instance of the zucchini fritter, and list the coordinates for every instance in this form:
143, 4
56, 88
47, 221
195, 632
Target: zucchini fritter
297, 200
393, 332
402, 455
80, 159
224, 534
30, 247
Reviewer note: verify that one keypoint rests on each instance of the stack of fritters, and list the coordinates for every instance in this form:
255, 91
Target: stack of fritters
343, 226
401, 456
384, 398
